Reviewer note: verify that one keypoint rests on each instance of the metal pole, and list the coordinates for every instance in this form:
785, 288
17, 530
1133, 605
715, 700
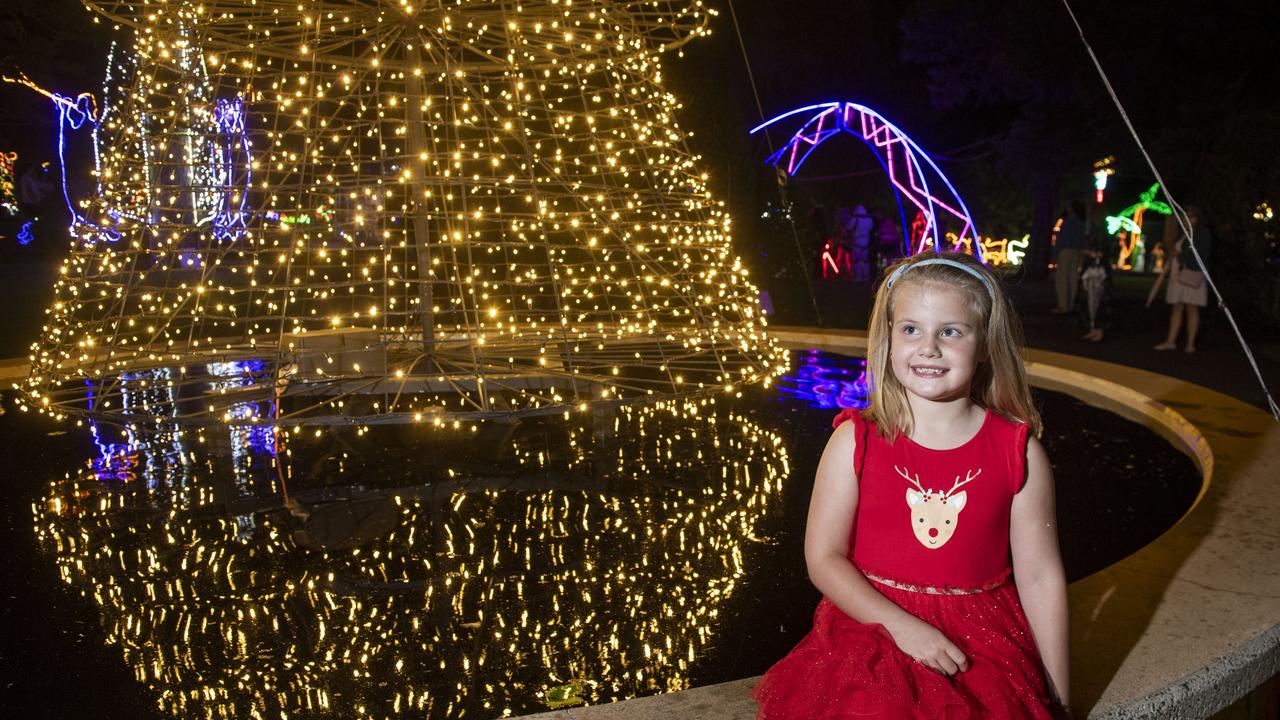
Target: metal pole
416, 153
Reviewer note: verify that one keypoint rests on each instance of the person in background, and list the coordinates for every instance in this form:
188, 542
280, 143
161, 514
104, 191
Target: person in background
1186, 289
889, 238
1095, 278
843, 240
873, 244
860, 225
1066, 252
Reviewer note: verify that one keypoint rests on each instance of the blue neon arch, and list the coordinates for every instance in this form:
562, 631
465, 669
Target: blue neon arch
912, 173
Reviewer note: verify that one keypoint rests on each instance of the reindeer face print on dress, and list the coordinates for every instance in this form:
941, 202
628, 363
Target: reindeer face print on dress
934, 515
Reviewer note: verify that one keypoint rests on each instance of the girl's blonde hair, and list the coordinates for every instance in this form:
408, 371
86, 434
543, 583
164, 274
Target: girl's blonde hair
1000, 383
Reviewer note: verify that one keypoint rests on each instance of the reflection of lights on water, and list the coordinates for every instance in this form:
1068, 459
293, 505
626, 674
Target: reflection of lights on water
826, 380
145, 392
586, 559
242, 416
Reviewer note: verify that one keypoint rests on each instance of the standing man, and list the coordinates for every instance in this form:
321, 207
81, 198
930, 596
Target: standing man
1066, 250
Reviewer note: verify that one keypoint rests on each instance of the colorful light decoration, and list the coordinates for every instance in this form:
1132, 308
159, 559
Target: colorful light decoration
246, 431
8, 199
834, 258
909, 168
234, 145
1127, 225
514, 224
73, 114
321, 215
146, 393
25, 236
1101, 171
1005, 251
826, 380
918, 237
995, 252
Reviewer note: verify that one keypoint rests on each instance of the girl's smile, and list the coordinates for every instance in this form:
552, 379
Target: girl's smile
935, 343
928, 371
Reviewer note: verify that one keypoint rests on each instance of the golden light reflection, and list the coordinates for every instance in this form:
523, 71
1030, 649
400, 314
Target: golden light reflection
483, 573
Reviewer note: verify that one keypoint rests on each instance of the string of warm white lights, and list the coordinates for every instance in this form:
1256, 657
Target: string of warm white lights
409, 212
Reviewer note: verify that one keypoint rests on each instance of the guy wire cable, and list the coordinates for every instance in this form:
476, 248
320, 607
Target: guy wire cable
804, 269
1178, 214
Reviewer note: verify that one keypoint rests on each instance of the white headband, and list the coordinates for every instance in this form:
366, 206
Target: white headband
942, 261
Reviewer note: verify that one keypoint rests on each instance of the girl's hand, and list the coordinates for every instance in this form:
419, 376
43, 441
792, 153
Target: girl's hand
928, 646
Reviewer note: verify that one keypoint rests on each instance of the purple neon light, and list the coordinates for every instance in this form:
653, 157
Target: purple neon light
882, 136
824, 380
75, 114
228, 222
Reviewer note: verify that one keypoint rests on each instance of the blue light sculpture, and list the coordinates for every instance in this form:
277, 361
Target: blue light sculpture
911, 171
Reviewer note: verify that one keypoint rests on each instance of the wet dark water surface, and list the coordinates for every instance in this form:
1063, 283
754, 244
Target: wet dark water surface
418, 572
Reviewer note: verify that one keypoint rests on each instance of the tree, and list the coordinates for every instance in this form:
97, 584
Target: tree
1016, 61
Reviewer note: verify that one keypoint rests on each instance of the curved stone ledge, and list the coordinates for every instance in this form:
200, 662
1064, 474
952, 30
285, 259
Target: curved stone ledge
1183, 627
1180, 629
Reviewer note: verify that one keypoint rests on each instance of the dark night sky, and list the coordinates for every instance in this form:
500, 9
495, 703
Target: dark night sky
805, 51
1002, 90
802, 51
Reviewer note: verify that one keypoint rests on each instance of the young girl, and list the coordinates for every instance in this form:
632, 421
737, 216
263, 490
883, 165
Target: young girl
932, 524
1095, 278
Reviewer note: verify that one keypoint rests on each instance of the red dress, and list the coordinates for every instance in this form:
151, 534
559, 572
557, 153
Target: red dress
931, 534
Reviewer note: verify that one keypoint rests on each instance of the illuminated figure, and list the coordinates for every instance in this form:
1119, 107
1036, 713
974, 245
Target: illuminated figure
919, 235
8, 198
834, 257
996, 252
408, 212
1127, 227
913, 176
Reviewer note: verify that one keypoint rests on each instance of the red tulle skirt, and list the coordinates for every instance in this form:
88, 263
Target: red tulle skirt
847, 669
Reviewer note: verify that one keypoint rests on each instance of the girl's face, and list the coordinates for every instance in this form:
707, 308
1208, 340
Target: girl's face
934, 342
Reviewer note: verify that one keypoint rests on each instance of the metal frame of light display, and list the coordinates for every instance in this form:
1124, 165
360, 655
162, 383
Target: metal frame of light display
912, 173
433, 212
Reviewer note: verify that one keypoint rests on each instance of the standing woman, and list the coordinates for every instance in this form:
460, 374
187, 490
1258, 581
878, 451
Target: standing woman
1186, 290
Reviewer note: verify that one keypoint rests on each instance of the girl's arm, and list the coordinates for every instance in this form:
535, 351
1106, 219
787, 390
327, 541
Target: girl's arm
1037, 568
826, 552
